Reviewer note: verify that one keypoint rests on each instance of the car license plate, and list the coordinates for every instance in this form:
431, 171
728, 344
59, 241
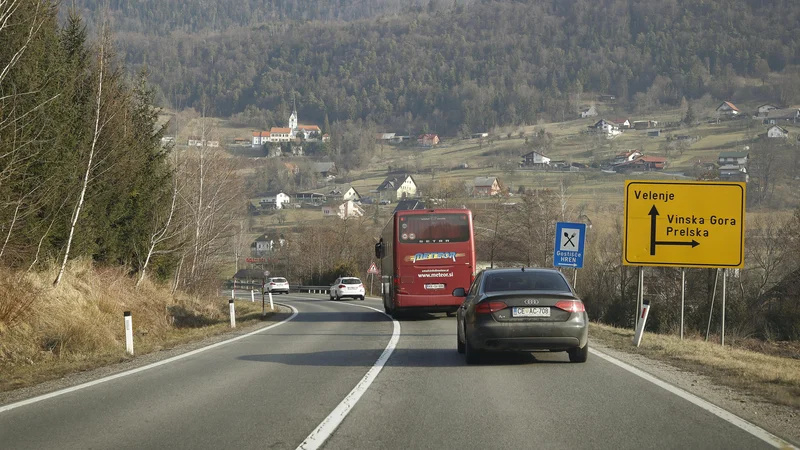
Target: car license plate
528, 311
434, 286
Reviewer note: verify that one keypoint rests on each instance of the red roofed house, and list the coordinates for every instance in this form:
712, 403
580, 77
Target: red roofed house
643, 163
624, 157
428, 140
486, 187
260, 138
307, 130
622, 123
728, 109
649, 163
277, 134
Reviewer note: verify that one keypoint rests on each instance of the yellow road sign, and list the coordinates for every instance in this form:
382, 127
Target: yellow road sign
684, 224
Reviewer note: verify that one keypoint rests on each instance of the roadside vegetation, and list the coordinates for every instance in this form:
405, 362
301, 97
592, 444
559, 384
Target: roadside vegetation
50, 332
97, 214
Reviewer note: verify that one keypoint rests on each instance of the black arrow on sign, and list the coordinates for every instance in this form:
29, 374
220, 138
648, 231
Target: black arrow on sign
653, 242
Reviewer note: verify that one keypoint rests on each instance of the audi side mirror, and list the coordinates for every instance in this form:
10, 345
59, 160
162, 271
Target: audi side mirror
459, 292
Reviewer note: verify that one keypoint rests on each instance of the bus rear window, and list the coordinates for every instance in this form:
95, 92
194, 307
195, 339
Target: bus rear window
434, 228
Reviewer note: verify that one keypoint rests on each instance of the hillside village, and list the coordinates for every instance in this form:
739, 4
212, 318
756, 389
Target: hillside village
400, 188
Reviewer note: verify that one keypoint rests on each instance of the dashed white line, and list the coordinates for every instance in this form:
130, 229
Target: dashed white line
328, 425
727, 416
141, 369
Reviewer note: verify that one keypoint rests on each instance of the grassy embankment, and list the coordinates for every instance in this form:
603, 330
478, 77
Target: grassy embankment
47, 332
768, 369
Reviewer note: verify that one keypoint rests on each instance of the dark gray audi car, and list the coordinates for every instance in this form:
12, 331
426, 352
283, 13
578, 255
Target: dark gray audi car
522, 310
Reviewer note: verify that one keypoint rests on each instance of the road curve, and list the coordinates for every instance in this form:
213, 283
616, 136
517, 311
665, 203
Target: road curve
274, 388
268, 390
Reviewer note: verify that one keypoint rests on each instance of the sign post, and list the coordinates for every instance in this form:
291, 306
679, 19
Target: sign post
373, 270
569, 246
684, 224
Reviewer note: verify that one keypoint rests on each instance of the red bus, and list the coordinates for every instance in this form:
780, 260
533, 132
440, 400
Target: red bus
424, 255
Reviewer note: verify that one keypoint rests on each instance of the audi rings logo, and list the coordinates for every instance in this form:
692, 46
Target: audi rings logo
531, 301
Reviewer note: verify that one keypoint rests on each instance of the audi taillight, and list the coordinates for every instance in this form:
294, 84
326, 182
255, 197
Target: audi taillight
272, 284
341, 286
489, 307
572, 306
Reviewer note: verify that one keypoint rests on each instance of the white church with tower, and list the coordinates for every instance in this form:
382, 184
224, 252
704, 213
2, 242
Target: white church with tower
292, 132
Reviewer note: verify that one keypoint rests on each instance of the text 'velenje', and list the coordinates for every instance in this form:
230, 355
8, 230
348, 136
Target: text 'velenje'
652, 195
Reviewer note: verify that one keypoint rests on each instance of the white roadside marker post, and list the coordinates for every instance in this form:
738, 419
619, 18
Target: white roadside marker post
233, 313
128, 332
271, 306
252, 295
637, 337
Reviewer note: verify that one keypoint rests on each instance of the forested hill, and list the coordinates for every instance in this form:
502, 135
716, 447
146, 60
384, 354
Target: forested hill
479, 65
195, 16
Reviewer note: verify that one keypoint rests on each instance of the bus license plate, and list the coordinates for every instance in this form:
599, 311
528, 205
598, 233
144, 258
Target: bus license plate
535, 311
434, 286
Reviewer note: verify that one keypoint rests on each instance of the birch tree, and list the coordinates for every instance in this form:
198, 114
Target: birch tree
98, 128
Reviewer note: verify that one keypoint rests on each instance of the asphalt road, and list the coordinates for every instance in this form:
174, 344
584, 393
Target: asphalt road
273, 388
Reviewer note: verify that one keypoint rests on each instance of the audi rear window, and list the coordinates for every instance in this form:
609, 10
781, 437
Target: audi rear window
525, 281
351, 281
279, 280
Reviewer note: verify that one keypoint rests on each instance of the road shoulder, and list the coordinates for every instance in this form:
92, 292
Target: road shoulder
783, 421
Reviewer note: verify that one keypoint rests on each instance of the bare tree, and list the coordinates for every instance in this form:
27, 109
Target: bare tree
210, 199
162, 232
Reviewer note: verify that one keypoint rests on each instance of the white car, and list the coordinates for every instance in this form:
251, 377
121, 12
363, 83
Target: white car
276, 285
347, 287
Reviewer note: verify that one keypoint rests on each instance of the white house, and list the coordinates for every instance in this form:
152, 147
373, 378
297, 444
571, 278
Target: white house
351, 194
397, 187
263, 244
609, 128
777, 132
535, 159
728, 109
622, 123
345, 210
260, 138
276, 201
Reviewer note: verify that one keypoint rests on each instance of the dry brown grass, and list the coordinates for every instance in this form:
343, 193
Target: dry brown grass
776, 378
79, 324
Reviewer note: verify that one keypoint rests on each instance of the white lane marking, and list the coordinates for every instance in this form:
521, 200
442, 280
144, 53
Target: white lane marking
143, 368
329, 424
727, 416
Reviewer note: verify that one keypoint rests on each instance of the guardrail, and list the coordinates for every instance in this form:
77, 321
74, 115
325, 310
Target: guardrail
313, 289
292, 287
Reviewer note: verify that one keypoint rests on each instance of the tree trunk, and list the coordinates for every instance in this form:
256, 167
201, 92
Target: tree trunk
87, 174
